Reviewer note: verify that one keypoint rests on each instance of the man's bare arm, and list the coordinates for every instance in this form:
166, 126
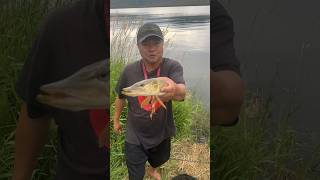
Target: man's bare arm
180, 92
31, 135
173, 91
227, 90
119, 105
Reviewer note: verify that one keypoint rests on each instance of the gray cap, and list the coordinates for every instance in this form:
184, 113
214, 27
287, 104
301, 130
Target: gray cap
148, 30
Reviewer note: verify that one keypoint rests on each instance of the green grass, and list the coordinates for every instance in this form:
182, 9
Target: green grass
259, 148
19, 23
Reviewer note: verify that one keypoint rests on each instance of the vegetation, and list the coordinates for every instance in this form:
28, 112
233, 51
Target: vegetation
19, 22
260, 148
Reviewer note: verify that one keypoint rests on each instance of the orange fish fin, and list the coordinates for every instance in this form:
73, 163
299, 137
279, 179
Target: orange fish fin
145, 102
162, 104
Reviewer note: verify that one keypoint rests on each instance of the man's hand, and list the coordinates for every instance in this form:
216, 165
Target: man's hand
171, 85
119, 105
117, 127
169, 89
172, 91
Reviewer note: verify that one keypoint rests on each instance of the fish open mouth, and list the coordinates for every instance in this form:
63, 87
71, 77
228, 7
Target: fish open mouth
84, 89
47, 95
56, 95
59, 99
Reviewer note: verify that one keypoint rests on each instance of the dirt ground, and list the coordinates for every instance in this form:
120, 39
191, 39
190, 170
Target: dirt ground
187, 158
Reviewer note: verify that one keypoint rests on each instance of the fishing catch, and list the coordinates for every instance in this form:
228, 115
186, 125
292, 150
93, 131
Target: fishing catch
85, 89
151, 89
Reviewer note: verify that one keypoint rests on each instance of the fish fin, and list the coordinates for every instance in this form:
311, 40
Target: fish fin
153, 107
162, 104
146, 101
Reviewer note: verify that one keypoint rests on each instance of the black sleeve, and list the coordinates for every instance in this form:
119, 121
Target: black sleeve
122, 83
222, 49
176, 73
35, 72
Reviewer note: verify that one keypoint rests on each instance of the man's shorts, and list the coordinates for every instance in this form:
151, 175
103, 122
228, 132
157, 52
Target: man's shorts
136, 157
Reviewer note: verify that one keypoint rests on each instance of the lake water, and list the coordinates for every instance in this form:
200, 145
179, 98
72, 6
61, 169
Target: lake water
278, 46
188, 30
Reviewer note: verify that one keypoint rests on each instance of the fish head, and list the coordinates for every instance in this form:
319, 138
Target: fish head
85, 89
148, 87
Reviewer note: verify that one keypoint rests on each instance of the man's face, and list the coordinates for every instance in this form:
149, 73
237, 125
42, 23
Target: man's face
151, 49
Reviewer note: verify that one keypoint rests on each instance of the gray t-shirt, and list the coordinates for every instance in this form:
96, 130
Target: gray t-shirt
140, 128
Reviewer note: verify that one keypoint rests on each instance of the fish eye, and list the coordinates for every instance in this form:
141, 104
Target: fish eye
102, 76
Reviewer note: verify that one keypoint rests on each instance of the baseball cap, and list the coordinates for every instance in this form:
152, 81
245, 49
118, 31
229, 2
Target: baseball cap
148, 30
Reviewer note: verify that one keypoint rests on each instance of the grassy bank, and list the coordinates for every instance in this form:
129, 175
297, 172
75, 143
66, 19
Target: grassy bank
262, 148
19, 22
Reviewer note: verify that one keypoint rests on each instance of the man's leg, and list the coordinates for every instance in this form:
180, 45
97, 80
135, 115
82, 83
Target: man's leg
154, 173
158, 156
63, 172
136, 159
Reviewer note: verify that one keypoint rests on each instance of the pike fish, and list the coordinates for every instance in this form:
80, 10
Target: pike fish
151, 89
83, 90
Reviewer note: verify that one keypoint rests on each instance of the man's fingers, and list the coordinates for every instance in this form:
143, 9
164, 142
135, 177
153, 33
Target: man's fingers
168, 91
168, 88
117, 129
120, 130
165, 89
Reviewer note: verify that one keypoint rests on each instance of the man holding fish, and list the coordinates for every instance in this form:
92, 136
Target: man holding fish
150, 123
